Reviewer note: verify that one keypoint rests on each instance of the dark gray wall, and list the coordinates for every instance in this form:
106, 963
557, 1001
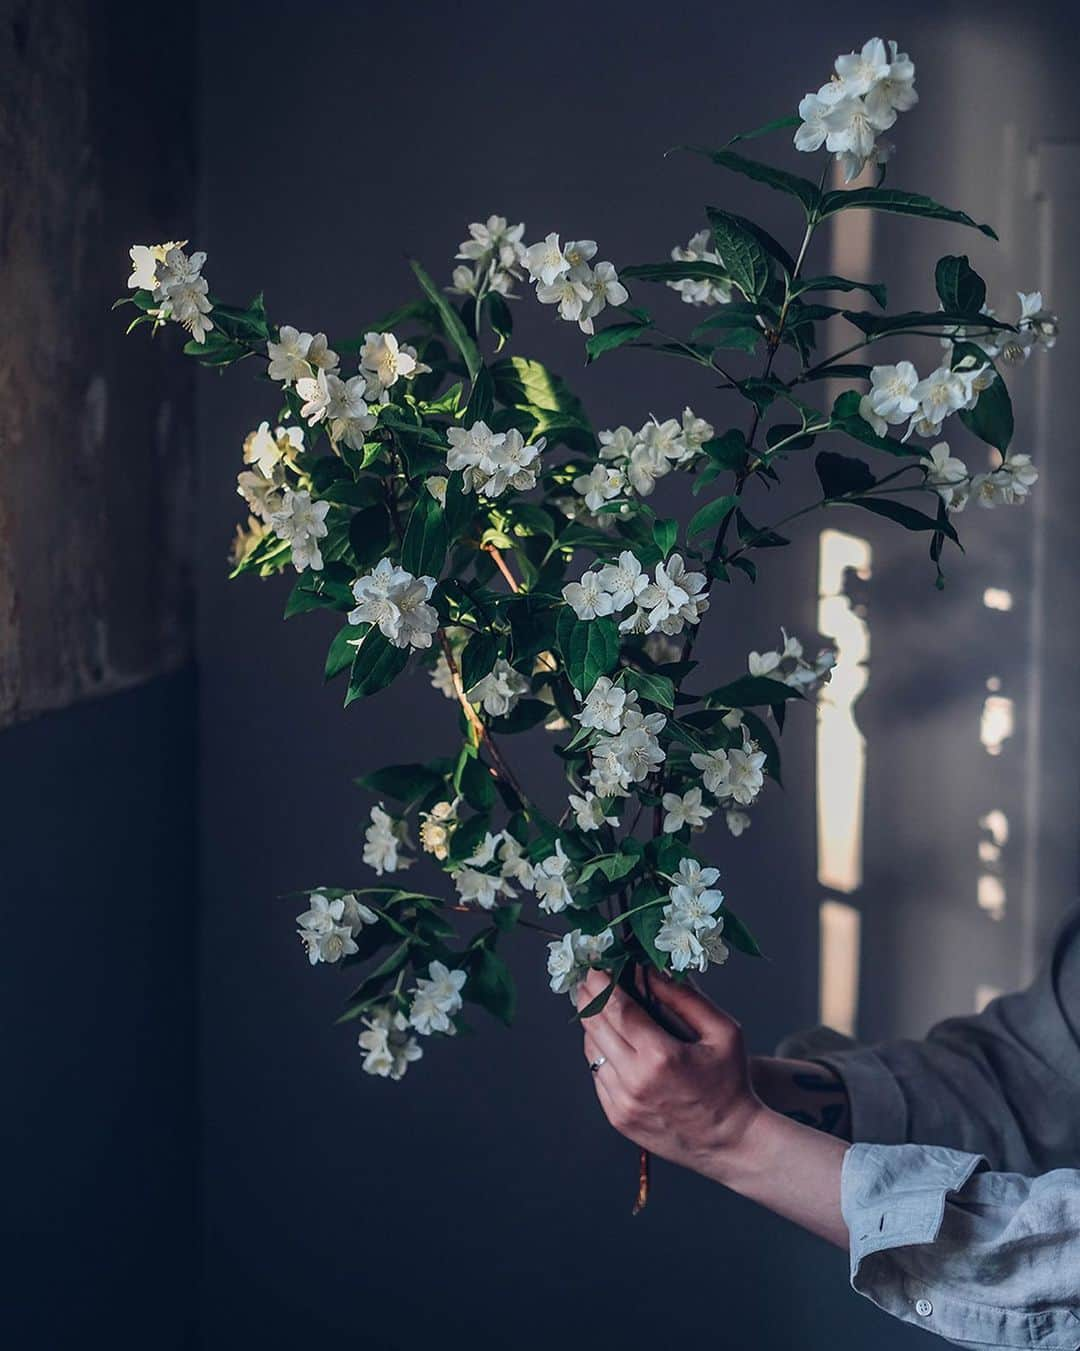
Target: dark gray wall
98, 882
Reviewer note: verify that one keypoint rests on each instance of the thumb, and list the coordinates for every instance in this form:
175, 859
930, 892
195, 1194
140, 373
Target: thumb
699, 1013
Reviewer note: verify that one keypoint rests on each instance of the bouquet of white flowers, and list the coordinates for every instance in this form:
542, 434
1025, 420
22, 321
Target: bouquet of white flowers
455, 505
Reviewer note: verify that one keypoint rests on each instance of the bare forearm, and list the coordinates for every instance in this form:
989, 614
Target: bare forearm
792, 1169
805, 1092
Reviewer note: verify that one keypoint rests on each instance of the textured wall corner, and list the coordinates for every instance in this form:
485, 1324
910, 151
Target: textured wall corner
96, 436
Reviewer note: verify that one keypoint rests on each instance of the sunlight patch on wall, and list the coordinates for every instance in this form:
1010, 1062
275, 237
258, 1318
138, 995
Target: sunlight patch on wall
997, 722
983, 995
997, 598
841, 748
839, 925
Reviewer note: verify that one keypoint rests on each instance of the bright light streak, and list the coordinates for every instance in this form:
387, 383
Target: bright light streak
839, 925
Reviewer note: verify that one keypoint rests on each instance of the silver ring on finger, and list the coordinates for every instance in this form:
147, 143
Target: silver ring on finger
596, 1064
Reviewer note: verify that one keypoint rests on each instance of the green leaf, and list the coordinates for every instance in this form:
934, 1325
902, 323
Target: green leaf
596, 1004
658, 689
500, 317
376, 664
478, 657
406, 783
324, 590
481, 403
779, 179
589, 647
423, 550
842, 474
909, 517
831, 283
755, 537
491, 985
676, 272
607, 339
646, 923
738, 936
752, 692
369, 535
777, 124
759, 730
992, 417
728, 451
710, 515
878, 325
960, 288
845, 417
343, 649
898, 203
665, 533
450, 320
373, 984
477, 787
741, 252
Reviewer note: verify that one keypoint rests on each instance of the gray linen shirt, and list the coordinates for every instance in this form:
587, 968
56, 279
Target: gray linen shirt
962, 1191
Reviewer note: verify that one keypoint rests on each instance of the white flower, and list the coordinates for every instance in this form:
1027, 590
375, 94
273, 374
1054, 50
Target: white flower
510, 463
693, 290
436, 999
646, 464
624, 581
296, 354
860, 72
599, 485
436, 486
499, 690
464, 280
1007, 485
687, 810
852, 131
496, 238
477, 888
317, 396
263, 495
571, 956
896, 87
385, 361
442, 678
348, 413
629, 757
389, 1047
328, 928
811, 134
177, 285
1037, 320
513, 863
145, 259
589, 812
949, 476
604, 287
714, 770
383, 840
396, 601
745, 773
617, 444
587, 598
736, 822
891, 399
435, 829
303, 523
695, 432
683, 945
484, 851
546, 261
550, 881
568, 293
264, 450
671, 600
604, 706
944, 391
790, 667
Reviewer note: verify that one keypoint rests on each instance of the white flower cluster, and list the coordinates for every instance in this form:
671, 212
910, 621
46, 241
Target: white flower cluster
571, 957
666, 604
490, 462
498, 692
477, 887
328, 928
684, 809
436, 827
179, 289
633, 461
389, 1046
791, 667
435, 999
629, 756
590, 811
694, 290
551, 881
1036, 327
898, 395
735, 775
396, 601
497, 255
303, 523
861, 100
1007, 485
691, 929
383, 841
565, 277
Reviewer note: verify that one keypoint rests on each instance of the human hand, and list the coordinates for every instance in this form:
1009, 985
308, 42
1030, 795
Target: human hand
691, 1102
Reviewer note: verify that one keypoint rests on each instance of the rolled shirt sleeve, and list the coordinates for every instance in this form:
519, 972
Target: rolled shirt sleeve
981, 1258
1004, 1083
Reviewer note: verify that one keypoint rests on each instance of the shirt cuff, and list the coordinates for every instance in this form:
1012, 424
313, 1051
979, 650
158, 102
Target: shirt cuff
893, 1196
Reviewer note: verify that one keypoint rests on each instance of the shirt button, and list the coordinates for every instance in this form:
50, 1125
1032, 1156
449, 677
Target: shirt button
924, 1308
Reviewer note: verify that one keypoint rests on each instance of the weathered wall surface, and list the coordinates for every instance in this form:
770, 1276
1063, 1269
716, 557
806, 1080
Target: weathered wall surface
95, 437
